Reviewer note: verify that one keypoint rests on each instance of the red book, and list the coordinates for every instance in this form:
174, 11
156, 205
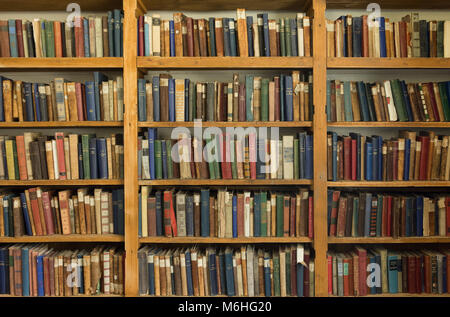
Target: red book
20, 143
190, 36
447, 211
58, 39
411, 274
141, 36
389, 217
79, 96
292, 218
19, 35
354, 152
330, 274
403, 38
151, 216
334, 211
310, 217
225, 153
293, 270
170, 223
46, 276
394, 160
252, 154
35, 211
427, 273
48, 213
59, 136
79, 37
277, 98
448, 270
351, 277
430, 88
83, 98
365, 37
347, 158
346, 261
240, 215
362, 266
425, 146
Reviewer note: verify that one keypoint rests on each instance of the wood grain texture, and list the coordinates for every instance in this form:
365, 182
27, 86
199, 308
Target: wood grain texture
64, 238
373, 62
389, 124
225, 182
206, 124
195, 240
405, 184
61, 124
376, 240
60, 62
219, 5
224, 62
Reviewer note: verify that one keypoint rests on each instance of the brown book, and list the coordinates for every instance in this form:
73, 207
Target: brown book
4, 39
437, 97
242, 33
177, 22
273, 37
219, 37
307, 35
433, 38
81, 210
19, 227
8, 100
349, 35
377, 103
58, 38
414, 102
165, 38
436, 164
365, 37
401, 158
203, 45
330, 38
403, 39
444, 154
177, 273
197, 210
342, 210
151, 216
196, 38
164, 96
184, 35
105, 37
190, 36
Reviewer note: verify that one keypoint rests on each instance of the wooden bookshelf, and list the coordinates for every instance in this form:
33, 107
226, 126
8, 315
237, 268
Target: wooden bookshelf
222, 124
61, 124
389, 124
68, 182
198, 240
387, 240
356, 184
385, 62
58, 238
226, 182
46, 63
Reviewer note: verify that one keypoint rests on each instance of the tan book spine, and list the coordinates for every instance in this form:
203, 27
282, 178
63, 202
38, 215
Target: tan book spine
81, 210
296, 96
177, 21
73, 149
87, 213
66, 103
49, 156
201, 282
307, 36
149, 98
41, 210
417, 161
330, 38
257, 98
156, 33
355, 102
67, 158
8, 100
242, 33
444, 154
401, 158
18, 100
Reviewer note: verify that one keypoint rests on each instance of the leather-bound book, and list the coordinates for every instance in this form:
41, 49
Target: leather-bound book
177, 20
219, 37
433, 38
242, 32
307, 36
164, 96
365, 37
203, 44
190, 36
196, 36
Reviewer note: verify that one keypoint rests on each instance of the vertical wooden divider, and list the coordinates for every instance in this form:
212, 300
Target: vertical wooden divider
130, 148
320, 148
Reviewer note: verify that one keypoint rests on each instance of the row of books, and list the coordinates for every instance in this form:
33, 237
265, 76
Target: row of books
287, 270
93, 36
223, 36
389, 100
34, 156
226, 156
366, 214
60, 100
285, 98
350, 36
362, 271
38, 212
412, 156
39, 270
225, 213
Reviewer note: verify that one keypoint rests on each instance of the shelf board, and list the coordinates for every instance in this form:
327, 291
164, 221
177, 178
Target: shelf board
51, 5
51, 182
61, 124
397, 295
406, 184
223, 62
372, 62
206, 124
390, 240
224, 182
220, 5
64, 238
389, 124
60, 62
389, 4
194, 240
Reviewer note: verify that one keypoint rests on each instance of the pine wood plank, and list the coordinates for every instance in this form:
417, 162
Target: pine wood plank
389, 124
375, 240
195, 240
60, 62
64, 238
68, 182
219, 5
206, 124
224, 62
406, 184
224, 182
61, 124
373, 62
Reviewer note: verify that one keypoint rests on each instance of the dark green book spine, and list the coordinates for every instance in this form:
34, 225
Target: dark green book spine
276, 274
49, 39
263, 214
265, 99
280, 216
287, 37
282, 38
158, 159
288, 272
440, 38
296, 159
169, 160
85, 147
43, 41
445, 100
398, 100
233, 159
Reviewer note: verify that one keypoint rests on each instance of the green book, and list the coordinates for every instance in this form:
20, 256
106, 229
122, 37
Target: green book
398, 100
287, 36
216, 161
233, 159
282, 38
445, 99
263, 197
296, 157
265, 99
347, 102
43, 41
49, 38
212, 174
249, 97
158, 159
85, 149
288, 272
355, 217
440, 38
169, 159
192, 100
276, 273
280, 215
16, 161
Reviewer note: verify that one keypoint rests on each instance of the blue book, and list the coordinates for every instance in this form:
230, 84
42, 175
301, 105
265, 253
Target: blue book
226, 37
251, 51
213, 273
302, 154
164, 158
289, 99
171, 99
26, 216
121, 34
140, 215
110, 33
80, 161
233, 48
393, 263
37, 101
86, 38
294, 38
156, 112
102, 158
25, 272
146, 42
98, 79
80, 274
142, 102
159, 215
407, 154
90, 101
152, 135
357, 38
40, 275
223, 278
3, 268
347, 102
408, 224
374, 158
2, 109
365, 116
419, 217
248, 97
186, 99
309, 157
257, 214
234, 201
189, 215
344, 24
267, 280
190, 287
212, 36
300, 282
93, 157
382, 37
120, 211
117, 21
329, 207
151, 276
28, 94
406, 100
13, 49
265, 17
229, 273
282, 98
204, 212
368, 159
380, 158
367, 214
172, 37
334, 154
328, 100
